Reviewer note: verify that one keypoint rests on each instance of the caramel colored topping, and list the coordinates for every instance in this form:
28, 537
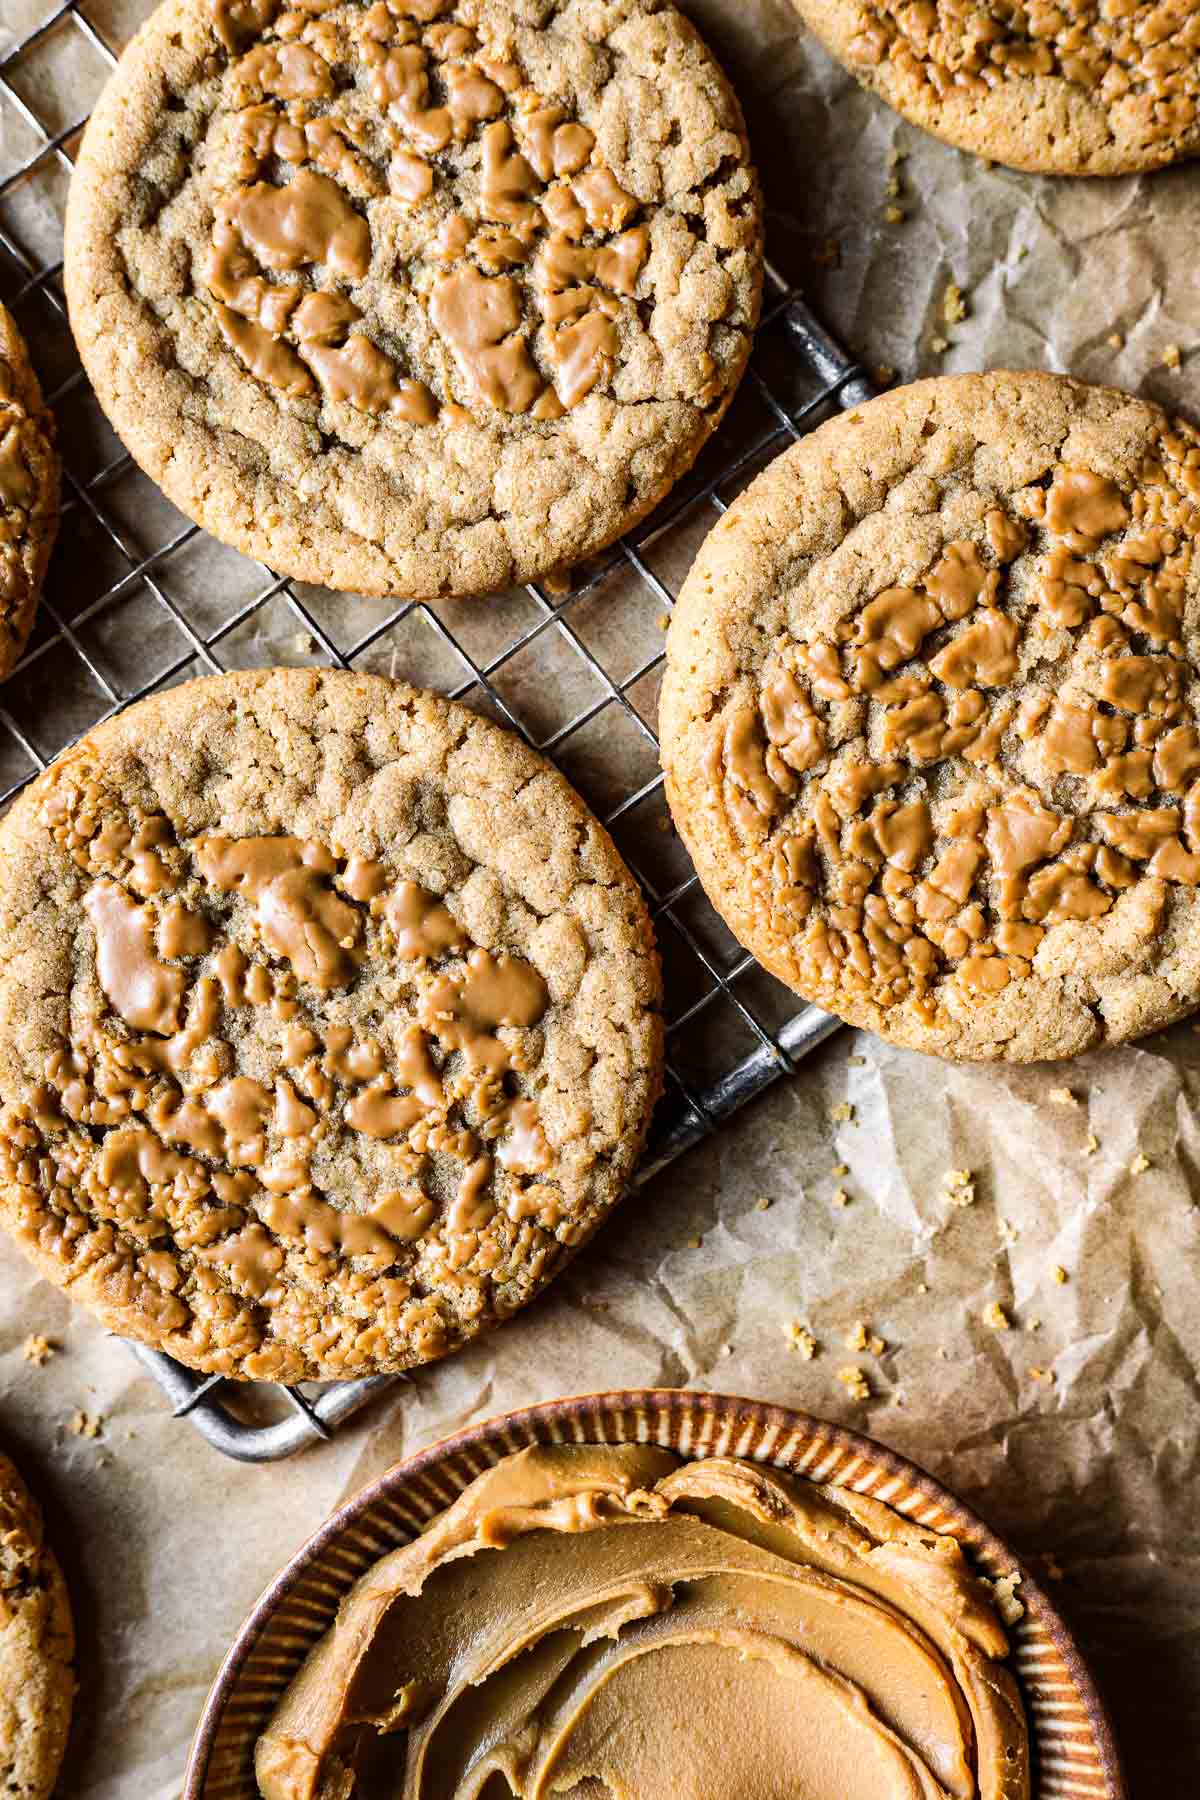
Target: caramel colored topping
1177, 758
554, 144
236, 21
524, 1148
308, 221
293, 1118
1085, 505
422, 925
960, 581
265, 356
480, 318
181, 932
145, 992
1141, 684
1021, 834
348, 1060
366, 378
289, 71
380, 1113
410, 177
405, 1214
465, 1010
508, 184
983, 655
607, 206
473, 1206
286, 882
582, 354
301, 1215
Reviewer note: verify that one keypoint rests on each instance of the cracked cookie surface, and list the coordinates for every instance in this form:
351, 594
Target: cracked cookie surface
1067, 87
930, 719
37, 1644
29, 486
415, 297
329, 1024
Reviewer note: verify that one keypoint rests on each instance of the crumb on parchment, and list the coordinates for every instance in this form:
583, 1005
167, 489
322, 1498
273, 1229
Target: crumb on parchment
958, 1187
1060, 1275
854, 1382
840, 1197
1116, 340
1172, 356
860, 1337
86, 1424
1140, 1164
1062, 1096
1091, 1145
762, 1204
800, 1338
954, 305
37, 1349
995, 1317
842, 1113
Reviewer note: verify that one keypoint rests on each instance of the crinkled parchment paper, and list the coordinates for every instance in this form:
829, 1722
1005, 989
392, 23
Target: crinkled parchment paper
1075, 1432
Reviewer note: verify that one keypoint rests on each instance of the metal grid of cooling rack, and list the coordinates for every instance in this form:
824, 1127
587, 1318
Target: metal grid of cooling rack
129, 608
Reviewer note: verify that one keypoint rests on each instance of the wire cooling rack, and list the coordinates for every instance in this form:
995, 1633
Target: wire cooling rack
139, 599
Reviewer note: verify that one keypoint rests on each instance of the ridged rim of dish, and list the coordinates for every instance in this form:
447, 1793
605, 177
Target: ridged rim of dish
1074, 1752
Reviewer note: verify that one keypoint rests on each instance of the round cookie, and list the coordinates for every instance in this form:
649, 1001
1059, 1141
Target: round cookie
1078, 88
328, 1024
930, 717
28, 493
37, 1644
414, 297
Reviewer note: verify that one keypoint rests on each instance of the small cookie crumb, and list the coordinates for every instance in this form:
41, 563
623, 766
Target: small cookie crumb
857, 1062
938, 344
855, 1383
1172, 356
694, 1243
894, 215
860, 1338
1091, 1145
762, 1204
954, 305
885, 374
86, 1424
664, 620
842, 1113
840, 1197
995, 1317
37, 1349
1116, 340
1007, 1605
1062, 1096
958, 1187
1060, 1275
1039, 1374
839, 1169
800, 1338
922, 1287
1140, 1164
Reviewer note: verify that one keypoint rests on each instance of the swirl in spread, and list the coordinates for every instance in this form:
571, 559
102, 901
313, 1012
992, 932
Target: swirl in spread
911, 828
615, 1622
405, 1165
522, 249
1139, 59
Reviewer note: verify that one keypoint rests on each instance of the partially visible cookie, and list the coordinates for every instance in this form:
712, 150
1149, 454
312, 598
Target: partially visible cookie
37, 1644
931, 717
415, 297
1084, 87
28, 492
329, 1024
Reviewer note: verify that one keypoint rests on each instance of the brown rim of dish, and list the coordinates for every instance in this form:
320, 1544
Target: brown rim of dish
669, 1401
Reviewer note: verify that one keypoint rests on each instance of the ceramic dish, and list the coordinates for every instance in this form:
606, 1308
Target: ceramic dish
1074, 1757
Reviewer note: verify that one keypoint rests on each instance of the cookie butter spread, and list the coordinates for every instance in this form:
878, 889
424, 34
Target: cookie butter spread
421, 297
931, 720
613, 1621
327, 1024
1073, 86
